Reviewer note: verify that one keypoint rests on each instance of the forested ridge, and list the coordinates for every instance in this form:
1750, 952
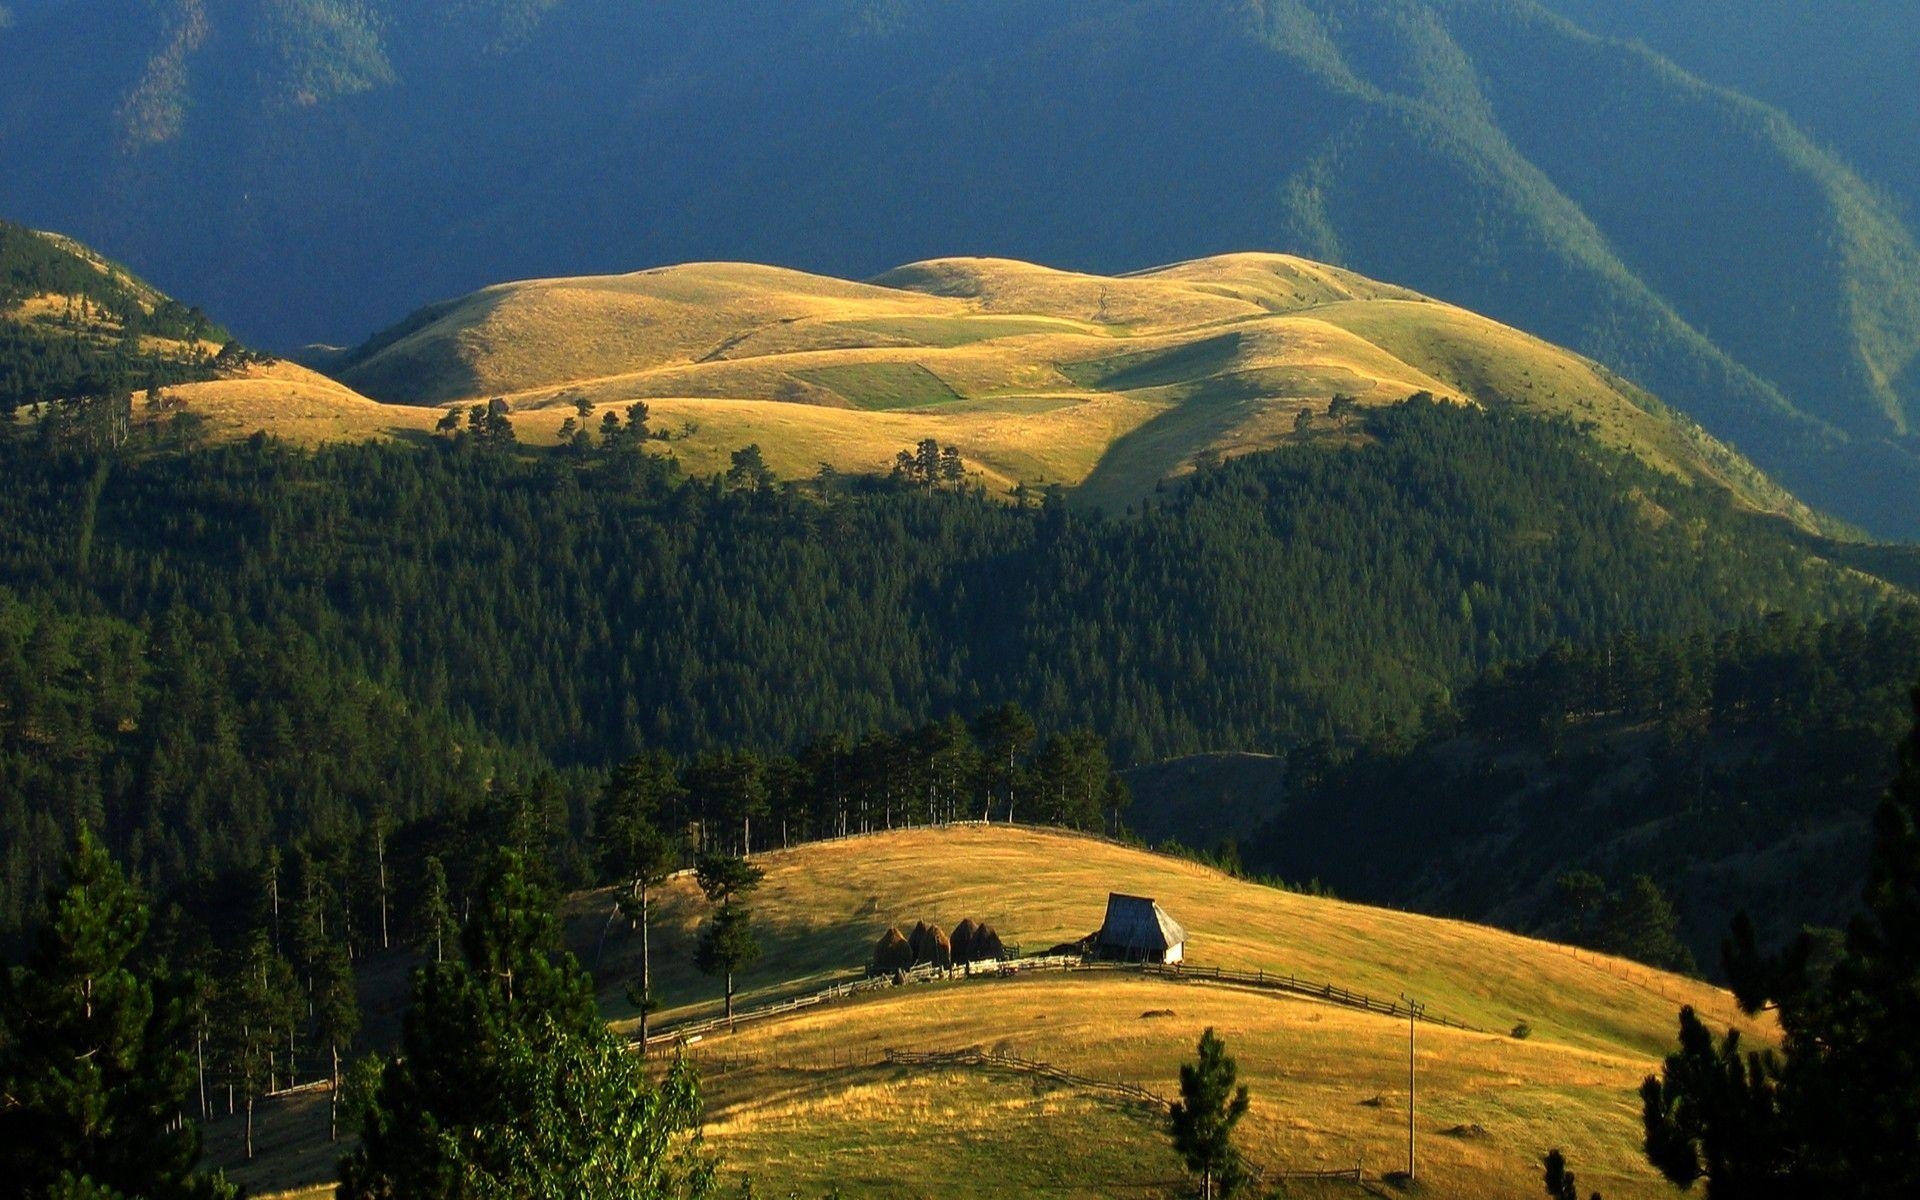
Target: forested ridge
1736, 770
211, 652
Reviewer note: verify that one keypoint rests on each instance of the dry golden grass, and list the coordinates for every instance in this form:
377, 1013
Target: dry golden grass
823, 905
296, 404
783, 1109
1109, 384
805, 1101
801, 1102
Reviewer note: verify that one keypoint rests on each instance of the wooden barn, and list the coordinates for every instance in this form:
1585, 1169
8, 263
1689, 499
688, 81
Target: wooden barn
1137, 929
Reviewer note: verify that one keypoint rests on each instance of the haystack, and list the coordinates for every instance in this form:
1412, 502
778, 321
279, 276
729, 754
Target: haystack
936, 949
892, 952
963, 940
986, 944
918, 940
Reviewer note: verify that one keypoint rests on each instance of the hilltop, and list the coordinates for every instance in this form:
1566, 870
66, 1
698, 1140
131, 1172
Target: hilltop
805, 1100
1109, 384
1580, 187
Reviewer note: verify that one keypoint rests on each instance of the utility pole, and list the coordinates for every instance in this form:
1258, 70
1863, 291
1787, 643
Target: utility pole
1413, 1015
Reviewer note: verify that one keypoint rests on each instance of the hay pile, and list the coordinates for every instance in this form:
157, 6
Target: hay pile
927, 945
893, 952
986, 944
962, 940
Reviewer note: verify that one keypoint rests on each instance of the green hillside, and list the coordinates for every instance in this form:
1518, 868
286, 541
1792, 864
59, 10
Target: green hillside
1487, 152
75, 326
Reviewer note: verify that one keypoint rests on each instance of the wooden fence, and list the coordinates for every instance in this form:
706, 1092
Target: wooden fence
1331, 993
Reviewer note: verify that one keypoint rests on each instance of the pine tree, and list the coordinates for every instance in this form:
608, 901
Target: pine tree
727, 942
433, 921
508, 1084
93, 1076
1837, 1114
1202, 1120
637, 853
1560, 1182
336, 1020
1005, 735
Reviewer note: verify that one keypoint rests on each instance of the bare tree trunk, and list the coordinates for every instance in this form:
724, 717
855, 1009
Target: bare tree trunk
380, 852
249, 1124
200, 1069
333, 1100
646, 968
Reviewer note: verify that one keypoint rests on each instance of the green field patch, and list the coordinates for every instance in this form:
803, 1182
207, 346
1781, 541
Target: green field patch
1021, 405
1157, 368
882, 385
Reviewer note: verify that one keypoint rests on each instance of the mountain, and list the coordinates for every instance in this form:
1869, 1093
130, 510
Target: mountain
809, 1102
1808, 58
1489, 152
1109, 384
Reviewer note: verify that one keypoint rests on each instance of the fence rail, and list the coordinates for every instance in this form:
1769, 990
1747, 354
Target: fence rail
1331, 993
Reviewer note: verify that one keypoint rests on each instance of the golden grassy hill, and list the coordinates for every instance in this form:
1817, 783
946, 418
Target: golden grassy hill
805, 1100
787, 1109
1107, 384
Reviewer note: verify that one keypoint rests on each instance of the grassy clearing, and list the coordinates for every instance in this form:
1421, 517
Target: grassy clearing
806, 1102
883, 385
1329, 1090
1108, 384
823, 905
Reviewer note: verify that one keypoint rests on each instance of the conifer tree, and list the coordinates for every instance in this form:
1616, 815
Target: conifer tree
508, 1084
727, 942
1202, 1120
93, 1074
636, 852
1837, 1114
433, 921
336, 1020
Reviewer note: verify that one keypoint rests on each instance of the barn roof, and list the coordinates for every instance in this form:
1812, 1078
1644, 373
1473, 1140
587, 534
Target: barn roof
1138, 923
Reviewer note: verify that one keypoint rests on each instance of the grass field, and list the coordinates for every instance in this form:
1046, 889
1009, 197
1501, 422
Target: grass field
1105, 384
805, 1101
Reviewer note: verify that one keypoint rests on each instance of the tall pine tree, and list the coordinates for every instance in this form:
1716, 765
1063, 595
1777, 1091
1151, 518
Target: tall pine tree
93, 1068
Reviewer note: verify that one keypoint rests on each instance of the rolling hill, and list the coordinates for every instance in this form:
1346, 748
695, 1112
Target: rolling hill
1110, 384
1491, 152
805, 1101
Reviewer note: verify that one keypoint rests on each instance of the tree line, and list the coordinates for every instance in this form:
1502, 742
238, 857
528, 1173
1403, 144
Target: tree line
213, 651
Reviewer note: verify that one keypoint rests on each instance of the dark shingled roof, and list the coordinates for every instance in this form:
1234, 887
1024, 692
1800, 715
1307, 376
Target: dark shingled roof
1138, 924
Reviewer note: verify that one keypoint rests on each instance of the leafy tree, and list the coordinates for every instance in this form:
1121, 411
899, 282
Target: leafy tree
93, 1078
1201, 1122
726, 941
508, 1084
636, 852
